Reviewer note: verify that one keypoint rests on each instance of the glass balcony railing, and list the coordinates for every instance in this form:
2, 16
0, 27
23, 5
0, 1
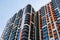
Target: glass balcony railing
20, 13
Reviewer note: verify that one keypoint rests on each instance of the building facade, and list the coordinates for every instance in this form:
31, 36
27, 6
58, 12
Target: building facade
30, 25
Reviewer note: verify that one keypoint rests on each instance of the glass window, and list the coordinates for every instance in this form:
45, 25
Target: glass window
43, 21
58, 21
44, 29
7, 33
46, 38
32, 17
54, 4
32, 9
55, 33
13, 34
20, 13
26, 22
13, 18
25, 34
54, 30
6, 38
15, 29
58, 3
27, 19
45, 33
8, 30
59, 32
28, 9
12, 37
57, 13
27, 16
25, 30
56, 39
51, 36
24, 38
18, 34
17, 21
26, 27
42, 11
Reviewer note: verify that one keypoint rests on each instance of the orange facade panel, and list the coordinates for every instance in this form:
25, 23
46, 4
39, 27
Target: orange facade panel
59, 30
51, 19
30, 18
47, 19
59, 35
53, 26
52, 12
49, 26
50, 30
46, 12
40, 20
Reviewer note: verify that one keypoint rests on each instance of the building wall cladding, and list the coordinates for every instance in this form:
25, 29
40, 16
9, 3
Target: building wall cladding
30, 25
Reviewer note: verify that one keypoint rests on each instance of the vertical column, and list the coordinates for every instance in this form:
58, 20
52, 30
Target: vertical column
47, 19
53, 16
52, 12
40, 26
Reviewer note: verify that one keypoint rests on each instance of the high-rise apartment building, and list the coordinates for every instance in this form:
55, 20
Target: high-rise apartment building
30, 25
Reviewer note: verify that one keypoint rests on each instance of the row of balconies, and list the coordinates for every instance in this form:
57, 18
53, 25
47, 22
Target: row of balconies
50, 30
25, 32
27, 19
58, 26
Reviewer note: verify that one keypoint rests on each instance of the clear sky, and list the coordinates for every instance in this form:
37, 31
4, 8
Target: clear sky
9, 7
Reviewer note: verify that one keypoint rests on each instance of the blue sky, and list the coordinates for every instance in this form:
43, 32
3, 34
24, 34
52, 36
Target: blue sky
9, 7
